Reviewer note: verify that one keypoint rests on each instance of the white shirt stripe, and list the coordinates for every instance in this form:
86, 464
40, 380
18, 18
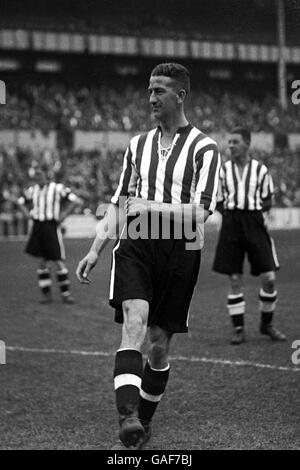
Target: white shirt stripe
56, 207
252, 184
41, 212
144, 169
180, 166
50, 196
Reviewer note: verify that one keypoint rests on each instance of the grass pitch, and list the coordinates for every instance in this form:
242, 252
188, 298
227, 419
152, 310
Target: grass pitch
56, 389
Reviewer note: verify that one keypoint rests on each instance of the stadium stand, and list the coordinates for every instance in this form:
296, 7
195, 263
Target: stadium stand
94, 176
110, 96
119, 105
171, 18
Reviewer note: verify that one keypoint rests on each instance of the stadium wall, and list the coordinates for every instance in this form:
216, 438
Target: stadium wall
78, 226
33, 139
84, 226
74, 43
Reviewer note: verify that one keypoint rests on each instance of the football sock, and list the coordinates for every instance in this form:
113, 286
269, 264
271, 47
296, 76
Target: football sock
154, 382
236, 309
267, 304
63, 282
127, 381
44, 280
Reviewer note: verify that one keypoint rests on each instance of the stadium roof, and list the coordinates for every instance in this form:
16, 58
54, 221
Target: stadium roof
232, 20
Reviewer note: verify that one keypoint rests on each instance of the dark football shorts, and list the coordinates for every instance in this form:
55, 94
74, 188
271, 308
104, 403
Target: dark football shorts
45, 241
244, 232
162, 272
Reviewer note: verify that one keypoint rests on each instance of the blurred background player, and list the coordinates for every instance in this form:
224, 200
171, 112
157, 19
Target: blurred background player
42, 202
246, 188
153, 279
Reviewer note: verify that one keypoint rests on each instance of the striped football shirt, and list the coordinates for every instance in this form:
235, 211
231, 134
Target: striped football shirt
251, 190
46, 200
189, 174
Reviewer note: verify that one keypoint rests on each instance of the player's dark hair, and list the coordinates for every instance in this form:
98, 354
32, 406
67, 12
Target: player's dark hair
244, 132
178, 72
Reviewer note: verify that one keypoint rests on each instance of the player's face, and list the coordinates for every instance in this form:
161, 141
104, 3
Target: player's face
40, 177
237, 146
163, 97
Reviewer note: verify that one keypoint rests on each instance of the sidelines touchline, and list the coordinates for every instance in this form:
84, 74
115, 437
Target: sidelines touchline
225, 362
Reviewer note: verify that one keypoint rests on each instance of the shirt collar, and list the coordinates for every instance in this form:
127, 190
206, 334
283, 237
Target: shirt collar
180, 130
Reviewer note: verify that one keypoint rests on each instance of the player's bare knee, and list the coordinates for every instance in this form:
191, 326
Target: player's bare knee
268, 281
158, 355
43, 264
235, 283
135, 315
159, 347
136, 310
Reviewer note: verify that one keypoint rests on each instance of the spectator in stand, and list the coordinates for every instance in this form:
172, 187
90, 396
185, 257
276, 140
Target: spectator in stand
93, 175
114, 107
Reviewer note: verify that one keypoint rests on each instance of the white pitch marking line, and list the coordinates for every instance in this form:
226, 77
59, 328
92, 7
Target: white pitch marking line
58, 351
172, 358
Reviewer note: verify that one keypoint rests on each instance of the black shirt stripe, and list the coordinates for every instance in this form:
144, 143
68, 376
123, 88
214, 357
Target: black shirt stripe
189, 170
247, 182
153, 167
235, 185
170, 167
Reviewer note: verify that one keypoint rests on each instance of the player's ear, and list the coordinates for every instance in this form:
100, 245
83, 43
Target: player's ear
181, 95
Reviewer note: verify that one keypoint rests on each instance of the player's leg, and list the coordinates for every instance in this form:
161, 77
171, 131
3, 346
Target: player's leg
229, 259
54, 247
129, 369
236, 307
155, 376
62, 276
35, 247
44, 281
267, 303
264, 262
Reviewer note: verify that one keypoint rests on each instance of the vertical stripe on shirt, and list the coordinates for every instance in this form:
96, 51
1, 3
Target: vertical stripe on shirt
235, 185
146, 155
170, 166
174, 179
46, 200
248, 191
153, 167
188, 180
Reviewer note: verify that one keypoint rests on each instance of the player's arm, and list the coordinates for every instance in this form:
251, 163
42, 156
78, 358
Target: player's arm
267, 192
22, 203
177, 212
70, 208
114, 218
73, 201
107, 229
221, 191
208, 160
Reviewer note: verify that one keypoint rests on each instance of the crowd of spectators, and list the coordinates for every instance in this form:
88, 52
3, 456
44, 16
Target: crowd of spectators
124, 106
94, 175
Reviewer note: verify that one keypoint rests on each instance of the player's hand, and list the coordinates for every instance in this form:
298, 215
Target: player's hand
136, 205
85, 266
266, 216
